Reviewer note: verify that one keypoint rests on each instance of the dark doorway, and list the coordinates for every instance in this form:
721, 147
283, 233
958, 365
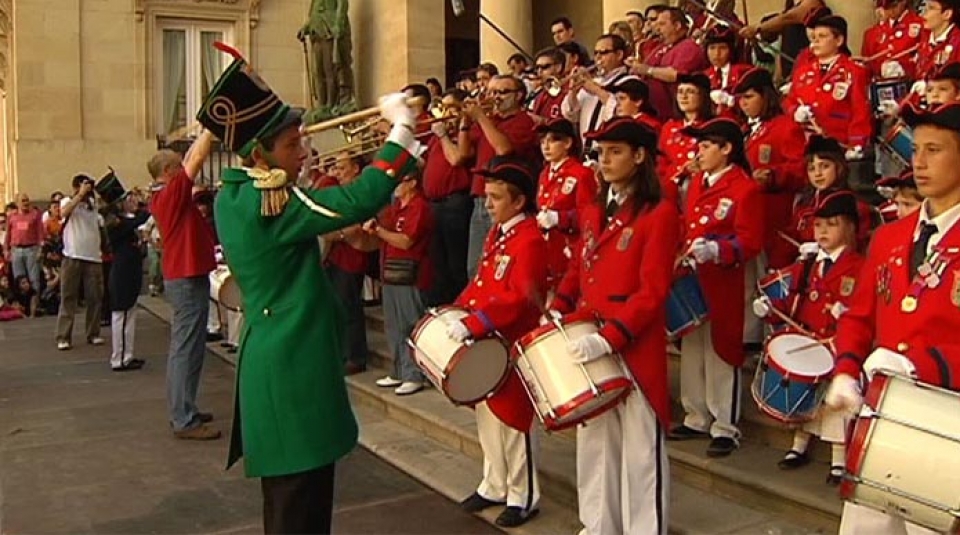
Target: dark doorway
462, 40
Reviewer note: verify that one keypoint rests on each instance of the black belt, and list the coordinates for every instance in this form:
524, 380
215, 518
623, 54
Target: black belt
26, 246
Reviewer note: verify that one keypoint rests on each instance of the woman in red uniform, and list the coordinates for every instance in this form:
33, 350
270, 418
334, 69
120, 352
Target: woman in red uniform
678, 151
774, 148
622, 275
723, 222
566, 187
720, 45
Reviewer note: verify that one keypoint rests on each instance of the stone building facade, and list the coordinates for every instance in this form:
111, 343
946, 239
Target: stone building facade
87, 84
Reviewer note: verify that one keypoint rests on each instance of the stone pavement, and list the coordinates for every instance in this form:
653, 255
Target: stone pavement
87, 450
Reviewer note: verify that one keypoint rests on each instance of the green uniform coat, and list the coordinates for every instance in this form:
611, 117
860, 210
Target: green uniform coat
291, 410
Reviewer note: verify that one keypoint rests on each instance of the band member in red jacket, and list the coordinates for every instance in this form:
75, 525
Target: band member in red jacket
890, 45
622, 274
941, 43
723, 221
506, 295
566, 187
903, 314
774, 148
830, 96
819, 294
678, 151
721, 43
904, 199
633, 100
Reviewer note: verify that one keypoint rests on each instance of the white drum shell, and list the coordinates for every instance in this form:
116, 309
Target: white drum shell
224, 289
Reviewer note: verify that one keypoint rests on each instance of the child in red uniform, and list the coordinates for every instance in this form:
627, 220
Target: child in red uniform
506, 295
678, 151
720, 44
633, 100
723, 220
566, 187
774, 148
891, 43
903, 314
622, 275
940, 44
903, 197
819, 293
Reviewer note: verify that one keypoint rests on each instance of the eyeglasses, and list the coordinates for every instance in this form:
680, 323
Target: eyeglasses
544, 66
603, 52
502, 92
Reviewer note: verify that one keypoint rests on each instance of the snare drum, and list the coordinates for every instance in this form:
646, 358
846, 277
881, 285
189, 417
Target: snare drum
899, 140
466, 372
686, 306
791, 377
776, 284
563, 392
224, 289
895, 89
903, 454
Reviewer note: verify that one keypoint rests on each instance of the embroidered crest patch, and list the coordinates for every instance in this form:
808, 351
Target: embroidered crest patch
840, 90
955, 289
723, 208
913, 30
625, 236
502, 262
568, 184
766, 151
846, 286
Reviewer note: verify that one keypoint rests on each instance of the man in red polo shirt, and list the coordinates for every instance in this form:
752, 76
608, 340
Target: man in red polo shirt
506, 129
188, 260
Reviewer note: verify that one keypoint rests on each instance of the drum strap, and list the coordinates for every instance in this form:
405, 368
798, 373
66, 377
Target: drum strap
804, 282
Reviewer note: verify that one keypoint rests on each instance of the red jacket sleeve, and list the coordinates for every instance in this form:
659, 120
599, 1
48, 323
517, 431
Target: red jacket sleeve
860, 131
855, 329
790, 174
748, 230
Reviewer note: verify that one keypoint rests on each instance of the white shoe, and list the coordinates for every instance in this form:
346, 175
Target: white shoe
408, 387
95, 341
63, 345
388, 382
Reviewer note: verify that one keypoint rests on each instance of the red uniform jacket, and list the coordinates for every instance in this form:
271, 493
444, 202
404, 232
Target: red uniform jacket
733, 78
676, 150
649, 120
890, 38
930, 335
623, 275
801, 226
778, 145
546, 106
731, 213
932, 56
568, 190
507, 295
812, 308
839, 99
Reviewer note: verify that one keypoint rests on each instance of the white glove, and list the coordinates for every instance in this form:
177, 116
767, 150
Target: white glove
785, 88
888, 108
892, 69
854, 153
704, 250
803, 114
844, 394
722, 98
550, 316
547, 219
761, 307
919, 87
457, 331
884, 360
838, 309
589, 348
394, 109
810, 248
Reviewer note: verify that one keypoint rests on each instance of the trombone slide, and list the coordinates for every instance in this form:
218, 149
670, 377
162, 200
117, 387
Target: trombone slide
354, 117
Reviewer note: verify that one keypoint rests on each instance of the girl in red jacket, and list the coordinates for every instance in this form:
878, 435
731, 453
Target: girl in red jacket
678, 151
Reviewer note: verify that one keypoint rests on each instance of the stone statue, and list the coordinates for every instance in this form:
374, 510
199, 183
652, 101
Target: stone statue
329, 59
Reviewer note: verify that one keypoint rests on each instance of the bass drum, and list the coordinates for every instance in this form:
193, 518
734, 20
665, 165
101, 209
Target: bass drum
224, 289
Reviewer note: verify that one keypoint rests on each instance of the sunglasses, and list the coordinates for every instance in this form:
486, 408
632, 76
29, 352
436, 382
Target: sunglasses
502, 92
544, 66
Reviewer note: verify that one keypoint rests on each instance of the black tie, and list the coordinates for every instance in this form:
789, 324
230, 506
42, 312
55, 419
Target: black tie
610, 211
827, 264
927, 230
824, 67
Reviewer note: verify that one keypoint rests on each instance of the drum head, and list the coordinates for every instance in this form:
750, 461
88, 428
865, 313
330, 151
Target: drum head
799, 355
477, 370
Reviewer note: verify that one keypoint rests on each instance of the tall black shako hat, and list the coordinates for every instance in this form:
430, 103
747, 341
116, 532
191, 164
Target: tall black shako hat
241, 109
722, 129
515, 171
110, 189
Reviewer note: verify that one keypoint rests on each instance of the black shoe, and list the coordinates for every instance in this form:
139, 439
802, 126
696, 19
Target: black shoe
514, 516
214, 337
231, 350
204, 417
682, 432
134, 364
794, 459
721, 447
835, 475
225, 344
476, 503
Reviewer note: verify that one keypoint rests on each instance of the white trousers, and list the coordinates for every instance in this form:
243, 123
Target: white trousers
862, 520
709, 387
122, 328
753, 326
623, 476
509, 462
234, 325
213, 317
829, 425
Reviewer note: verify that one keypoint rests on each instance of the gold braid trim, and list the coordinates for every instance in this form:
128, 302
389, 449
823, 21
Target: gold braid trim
274, 190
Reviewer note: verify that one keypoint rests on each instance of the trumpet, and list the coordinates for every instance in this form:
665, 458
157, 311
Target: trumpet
357, 144
554, 86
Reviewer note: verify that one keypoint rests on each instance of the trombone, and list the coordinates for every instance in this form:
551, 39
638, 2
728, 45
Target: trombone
554, 86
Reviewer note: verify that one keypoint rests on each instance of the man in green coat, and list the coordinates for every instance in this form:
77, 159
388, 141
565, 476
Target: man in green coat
293, 419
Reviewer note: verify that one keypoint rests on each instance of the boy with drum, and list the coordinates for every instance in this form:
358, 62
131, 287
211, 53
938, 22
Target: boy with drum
819, 293
723, 222
622, 275
506, 297
903, 313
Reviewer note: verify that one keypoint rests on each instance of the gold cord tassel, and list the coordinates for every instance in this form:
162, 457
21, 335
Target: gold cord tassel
274, 192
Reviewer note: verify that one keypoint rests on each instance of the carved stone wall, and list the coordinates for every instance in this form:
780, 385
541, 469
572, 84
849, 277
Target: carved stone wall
6, 30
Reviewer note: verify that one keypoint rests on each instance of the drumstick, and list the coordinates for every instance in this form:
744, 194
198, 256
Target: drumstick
789, 240
804, 347
789, 321
879, 55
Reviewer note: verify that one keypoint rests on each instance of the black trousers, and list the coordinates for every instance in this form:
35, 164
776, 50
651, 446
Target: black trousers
349, 289
448, 247
300, 503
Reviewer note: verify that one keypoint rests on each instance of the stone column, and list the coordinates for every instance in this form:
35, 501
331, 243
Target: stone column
859, 17
515, 18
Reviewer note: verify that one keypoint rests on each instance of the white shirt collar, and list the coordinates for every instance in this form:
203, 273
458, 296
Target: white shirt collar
614, 196
934, 40
715, 177
834, 256
512, 222
555, 166
944, 222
